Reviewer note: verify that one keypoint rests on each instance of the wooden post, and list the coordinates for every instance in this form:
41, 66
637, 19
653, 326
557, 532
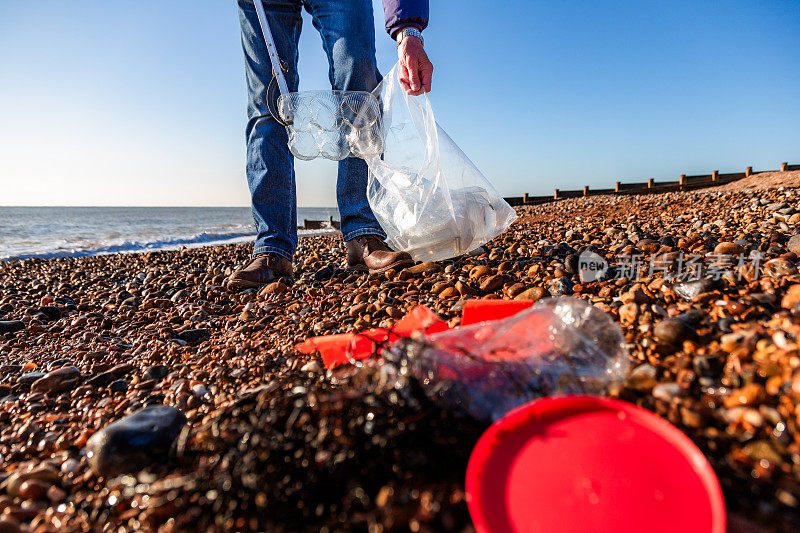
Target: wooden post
650, 183
616, 187
715, 175
682, 180
555, 196
585, 190
748, 172
784, 166
525, 198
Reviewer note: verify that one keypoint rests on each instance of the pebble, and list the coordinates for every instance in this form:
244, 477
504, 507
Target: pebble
533, 294
728, 248
57, 381
30, 377
792, 297
135, 441
793, 244
673, 331
628, 313
779, 267
689, 290
751, 394
70, 466
493, 283
157, 372
666, 391
642, 378
636, 296
15, 482
312, 366
193, 336
424, 268
119, 385
33, 489
11, 326
479, 272
276, 287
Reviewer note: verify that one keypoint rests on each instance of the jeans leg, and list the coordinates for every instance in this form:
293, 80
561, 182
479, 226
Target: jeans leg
348, 36
270, 165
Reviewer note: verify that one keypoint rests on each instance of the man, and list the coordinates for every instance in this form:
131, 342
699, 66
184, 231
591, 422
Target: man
348, 37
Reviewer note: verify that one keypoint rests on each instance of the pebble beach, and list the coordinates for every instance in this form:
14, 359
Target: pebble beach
137, 393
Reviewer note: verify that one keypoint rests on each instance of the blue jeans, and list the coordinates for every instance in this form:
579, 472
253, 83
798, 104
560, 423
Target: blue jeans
348, 36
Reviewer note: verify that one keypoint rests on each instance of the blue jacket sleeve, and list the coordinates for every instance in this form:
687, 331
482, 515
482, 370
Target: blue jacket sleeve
400, 13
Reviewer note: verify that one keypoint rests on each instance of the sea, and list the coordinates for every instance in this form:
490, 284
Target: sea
48, 232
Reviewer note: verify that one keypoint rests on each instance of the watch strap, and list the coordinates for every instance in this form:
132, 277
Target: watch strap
409, 31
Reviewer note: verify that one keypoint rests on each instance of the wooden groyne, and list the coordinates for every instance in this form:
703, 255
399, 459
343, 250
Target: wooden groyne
649, 186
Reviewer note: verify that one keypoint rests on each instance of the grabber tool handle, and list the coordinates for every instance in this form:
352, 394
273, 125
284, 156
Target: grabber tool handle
277, 71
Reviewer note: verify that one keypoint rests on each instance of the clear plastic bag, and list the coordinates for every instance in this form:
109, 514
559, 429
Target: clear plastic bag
332, 124
559, 346
425, 192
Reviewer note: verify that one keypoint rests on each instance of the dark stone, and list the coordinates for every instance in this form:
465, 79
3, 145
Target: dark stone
325, 273
107, 378
194, 335
724, 325
179, 295
124, 295
673, 331
119, 385
58, 363
692, 317
6, 370
11, 326
157, 372
101, 380
708, 365
135, 441
51, 312
571, 263
65, 300
562, 249
58, 381
30, 377
155, 399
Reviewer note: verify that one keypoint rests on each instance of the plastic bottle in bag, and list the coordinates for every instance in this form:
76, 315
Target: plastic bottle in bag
559, 346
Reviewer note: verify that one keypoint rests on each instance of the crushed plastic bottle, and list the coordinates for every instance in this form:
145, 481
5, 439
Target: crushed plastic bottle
559, 346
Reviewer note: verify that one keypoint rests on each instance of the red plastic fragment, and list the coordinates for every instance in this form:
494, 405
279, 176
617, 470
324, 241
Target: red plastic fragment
334, 348
419, 319
475, 311
345, 347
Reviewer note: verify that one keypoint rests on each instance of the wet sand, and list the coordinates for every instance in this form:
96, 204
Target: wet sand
258, 437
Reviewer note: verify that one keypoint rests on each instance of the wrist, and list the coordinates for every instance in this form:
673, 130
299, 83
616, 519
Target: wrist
407, 32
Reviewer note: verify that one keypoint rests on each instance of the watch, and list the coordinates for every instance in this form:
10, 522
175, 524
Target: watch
409, 31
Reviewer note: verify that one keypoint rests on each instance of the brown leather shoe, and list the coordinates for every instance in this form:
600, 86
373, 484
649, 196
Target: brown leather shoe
371, 252
262, 269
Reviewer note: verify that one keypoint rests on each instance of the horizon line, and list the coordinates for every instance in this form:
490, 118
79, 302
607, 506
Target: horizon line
169, 206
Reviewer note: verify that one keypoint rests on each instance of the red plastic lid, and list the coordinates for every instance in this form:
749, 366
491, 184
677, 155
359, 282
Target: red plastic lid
580, 463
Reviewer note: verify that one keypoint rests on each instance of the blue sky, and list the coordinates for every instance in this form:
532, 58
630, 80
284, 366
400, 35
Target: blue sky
143, 102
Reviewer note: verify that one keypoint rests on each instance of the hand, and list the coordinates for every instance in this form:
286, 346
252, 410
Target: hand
416, 69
